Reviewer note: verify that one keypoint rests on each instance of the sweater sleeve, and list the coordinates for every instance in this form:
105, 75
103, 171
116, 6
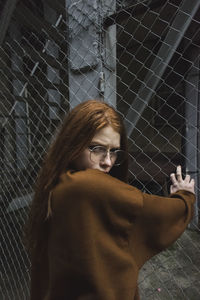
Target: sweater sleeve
161, 222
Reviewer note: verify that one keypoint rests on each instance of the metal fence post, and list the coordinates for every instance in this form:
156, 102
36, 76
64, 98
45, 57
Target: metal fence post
108, 51
192, 115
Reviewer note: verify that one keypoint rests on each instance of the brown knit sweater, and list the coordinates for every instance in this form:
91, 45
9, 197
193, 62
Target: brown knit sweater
101, 232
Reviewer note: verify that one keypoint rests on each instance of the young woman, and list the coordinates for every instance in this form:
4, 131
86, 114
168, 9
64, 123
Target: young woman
89, 231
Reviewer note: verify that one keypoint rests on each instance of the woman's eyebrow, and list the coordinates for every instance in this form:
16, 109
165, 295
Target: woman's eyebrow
96, 143
104, 145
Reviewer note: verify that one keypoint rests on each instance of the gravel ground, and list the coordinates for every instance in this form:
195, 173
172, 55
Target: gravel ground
174, 273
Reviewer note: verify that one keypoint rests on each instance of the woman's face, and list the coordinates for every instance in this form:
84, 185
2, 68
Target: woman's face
106, 137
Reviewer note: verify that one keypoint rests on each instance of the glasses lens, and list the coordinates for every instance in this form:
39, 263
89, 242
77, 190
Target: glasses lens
99, 153
120, 157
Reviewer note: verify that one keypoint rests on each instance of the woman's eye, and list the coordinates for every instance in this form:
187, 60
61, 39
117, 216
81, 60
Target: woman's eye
114, 150
99, 149
93, 147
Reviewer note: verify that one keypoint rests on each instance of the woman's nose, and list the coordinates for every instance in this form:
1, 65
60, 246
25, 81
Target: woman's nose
107, 160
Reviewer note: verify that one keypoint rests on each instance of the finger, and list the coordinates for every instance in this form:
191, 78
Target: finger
173, 178
187, 178
192, 186
179, 173
171, 189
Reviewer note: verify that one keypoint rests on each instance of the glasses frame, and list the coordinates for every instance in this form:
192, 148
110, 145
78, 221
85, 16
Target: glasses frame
107, 150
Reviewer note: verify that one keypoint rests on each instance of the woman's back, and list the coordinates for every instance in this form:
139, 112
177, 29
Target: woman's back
100, 232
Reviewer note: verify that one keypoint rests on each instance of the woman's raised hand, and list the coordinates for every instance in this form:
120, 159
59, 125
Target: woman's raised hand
178, 183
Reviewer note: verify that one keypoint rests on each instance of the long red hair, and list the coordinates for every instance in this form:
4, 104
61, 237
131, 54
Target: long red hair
76, 133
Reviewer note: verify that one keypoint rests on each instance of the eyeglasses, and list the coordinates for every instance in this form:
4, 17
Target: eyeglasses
99, 153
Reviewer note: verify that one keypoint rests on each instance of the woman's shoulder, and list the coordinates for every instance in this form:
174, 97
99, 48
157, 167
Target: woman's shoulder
85, 181
74, 188
92, 179
97, 188
87, 176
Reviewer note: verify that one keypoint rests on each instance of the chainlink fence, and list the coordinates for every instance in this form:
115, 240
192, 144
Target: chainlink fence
143, 58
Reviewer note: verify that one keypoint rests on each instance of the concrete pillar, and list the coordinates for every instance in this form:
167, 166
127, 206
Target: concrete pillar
91, 53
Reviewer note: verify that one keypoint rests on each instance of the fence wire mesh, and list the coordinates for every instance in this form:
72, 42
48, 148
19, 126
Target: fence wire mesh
141, 57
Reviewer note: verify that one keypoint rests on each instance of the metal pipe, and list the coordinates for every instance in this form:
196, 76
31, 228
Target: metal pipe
192, 117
